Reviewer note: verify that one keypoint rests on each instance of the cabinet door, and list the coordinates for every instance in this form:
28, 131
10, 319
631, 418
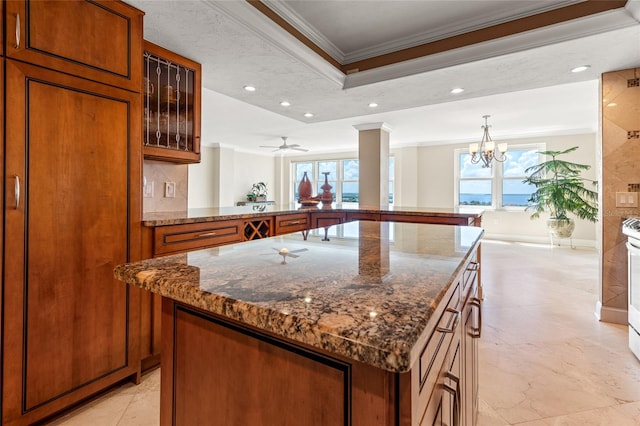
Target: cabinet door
98, 40
172, 90
70, 149
472, 315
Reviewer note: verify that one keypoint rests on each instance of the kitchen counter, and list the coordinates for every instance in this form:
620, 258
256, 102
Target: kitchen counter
244, 212
366, 296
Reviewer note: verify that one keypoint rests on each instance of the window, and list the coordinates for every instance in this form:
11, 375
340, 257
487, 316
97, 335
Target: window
343, 175
499, 186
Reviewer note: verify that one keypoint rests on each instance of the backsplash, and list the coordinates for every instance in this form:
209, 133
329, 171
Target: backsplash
158, 174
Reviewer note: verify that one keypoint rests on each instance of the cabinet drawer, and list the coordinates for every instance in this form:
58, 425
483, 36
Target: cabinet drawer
363, 216
179, 238
292, 223
443, 220
435, 350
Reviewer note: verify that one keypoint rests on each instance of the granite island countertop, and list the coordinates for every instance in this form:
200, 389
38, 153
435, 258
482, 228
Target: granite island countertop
367, 294
243, 212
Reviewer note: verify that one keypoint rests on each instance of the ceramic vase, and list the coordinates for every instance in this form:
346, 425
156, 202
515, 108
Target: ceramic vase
304, 188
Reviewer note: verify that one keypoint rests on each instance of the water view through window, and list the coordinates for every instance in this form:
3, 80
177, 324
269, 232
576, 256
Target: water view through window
477, 184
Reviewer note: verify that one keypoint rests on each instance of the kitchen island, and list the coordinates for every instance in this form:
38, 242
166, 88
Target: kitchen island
373, 326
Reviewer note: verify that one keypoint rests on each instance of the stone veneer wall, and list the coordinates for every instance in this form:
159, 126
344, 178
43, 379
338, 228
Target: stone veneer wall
620, 168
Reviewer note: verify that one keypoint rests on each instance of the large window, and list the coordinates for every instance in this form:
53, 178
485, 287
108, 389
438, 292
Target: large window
499, 186
343, 175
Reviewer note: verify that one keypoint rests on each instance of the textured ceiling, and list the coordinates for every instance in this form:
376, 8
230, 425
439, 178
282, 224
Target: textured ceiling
522, 81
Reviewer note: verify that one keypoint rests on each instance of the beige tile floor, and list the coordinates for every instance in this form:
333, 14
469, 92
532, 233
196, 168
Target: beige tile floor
544, 358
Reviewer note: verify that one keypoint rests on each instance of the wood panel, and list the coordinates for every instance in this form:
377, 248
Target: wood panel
100, 40
351, 216
321, 219
74, 223
238, 378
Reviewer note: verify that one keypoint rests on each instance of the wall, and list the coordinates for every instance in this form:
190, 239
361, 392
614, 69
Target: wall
620, 149
159, 172
224, 176
436, 182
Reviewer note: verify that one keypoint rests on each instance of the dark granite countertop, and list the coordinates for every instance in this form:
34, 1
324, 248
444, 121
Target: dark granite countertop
366, 294
243, 212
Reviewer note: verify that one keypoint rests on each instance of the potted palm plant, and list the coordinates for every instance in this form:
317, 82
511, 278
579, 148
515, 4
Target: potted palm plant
560, 190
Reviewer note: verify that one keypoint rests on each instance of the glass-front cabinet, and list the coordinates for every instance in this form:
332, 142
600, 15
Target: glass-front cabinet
171, 94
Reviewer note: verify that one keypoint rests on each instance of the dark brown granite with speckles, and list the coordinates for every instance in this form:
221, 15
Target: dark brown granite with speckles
246, 212
367, 294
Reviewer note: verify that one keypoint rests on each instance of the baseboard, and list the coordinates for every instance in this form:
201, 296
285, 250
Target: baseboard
613, 315
563, 242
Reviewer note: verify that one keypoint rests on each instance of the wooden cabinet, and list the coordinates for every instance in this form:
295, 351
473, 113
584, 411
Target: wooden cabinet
72, 169
320, 219
172, 91
443, 220
173, 239
288, 223
448, 364
351, 216
97, 40
72, 214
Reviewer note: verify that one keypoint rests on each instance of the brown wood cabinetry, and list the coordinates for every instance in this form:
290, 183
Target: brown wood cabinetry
444, 220
173, 239
292, 223
72, 215
351, 216
172, 91
72, 174
260, 227
321, 219
97, 40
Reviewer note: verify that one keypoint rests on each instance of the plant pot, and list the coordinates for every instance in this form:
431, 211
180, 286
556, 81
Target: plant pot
561, 228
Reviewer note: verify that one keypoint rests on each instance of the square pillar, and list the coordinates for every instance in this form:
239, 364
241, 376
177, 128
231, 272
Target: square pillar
373, 156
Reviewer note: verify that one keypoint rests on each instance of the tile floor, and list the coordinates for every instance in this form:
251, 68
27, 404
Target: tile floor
544, 358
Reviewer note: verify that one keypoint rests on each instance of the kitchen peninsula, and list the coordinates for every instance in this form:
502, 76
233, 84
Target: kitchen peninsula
376, 325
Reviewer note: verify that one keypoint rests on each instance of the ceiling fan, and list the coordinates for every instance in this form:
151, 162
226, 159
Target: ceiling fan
284, 146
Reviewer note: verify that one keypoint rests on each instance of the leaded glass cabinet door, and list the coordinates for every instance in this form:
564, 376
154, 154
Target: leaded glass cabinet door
171, 90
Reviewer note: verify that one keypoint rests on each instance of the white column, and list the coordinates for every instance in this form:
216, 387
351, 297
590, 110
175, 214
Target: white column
373, 155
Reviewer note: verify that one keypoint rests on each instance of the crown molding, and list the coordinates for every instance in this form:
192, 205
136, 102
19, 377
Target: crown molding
373, 126
570, 30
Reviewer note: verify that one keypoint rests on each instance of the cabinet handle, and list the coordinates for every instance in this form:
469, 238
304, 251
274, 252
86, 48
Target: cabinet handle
206, 234
456, 396
16, 189
476, 332
17, 45
295, 222
456, 320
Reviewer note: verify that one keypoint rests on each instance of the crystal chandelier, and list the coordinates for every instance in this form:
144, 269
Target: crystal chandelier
486, 150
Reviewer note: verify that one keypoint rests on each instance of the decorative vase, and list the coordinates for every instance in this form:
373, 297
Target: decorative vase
327, 196
304, 188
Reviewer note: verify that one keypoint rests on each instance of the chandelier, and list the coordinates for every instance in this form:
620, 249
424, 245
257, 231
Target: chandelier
486, 151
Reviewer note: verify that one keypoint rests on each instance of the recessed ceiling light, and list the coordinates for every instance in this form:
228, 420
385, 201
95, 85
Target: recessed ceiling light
457, 90
581, 68
285, 103
250, 88
373, 105
308, 114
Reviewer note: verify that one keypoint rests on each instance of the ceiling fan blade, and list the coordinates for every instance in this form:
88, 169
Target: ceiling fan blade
293, 145
269, 146
300, 149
